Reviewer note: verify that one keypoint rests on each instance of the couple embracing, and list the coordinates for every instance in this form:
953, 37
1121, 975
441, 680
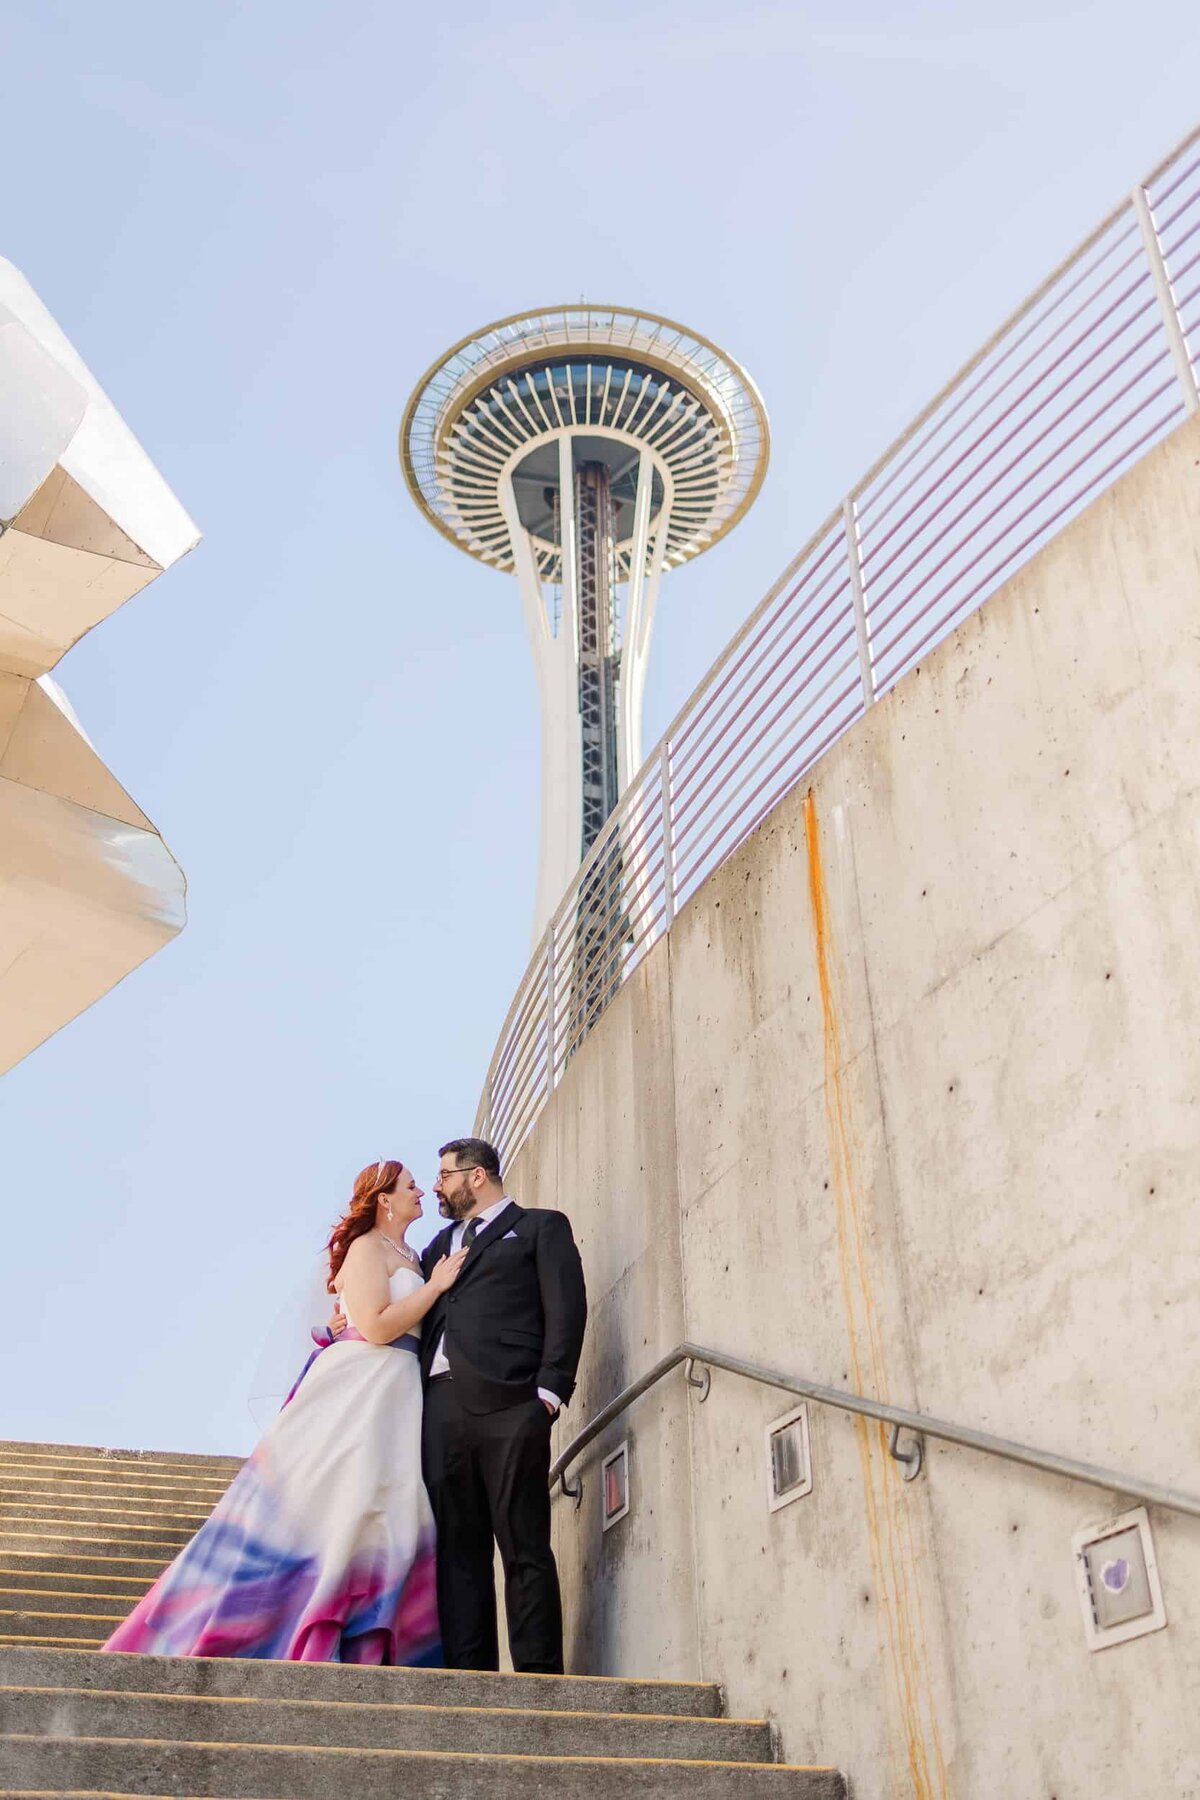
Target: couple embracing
362, 1529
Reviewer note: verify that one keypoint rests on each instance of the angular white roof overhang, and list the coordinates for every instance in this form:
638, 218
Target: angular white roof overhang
88, 889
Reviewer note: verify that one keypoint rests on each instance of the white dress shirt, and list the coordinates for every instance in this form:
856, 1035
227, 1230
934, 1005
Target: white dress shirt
440, 1365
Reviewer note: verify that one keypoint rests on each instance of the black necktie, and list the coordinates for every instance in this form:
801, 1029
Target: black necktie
469, 1233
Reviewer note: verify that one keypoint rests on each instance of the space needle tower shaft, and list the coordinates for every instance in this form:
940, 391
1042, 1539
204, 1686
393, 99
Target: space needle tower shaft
585, 450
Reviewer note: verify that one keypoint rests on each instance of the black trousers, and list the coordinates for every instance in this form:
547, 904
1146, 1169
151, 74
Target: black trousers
488, 1481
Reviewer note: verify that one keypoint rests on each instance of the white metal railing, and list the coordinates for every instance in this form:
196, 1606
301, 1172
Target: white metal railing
1094, 369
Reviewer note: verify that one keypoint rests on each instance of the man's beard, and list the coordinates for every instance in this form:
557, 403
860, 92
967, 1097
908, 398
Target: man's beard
455, 1209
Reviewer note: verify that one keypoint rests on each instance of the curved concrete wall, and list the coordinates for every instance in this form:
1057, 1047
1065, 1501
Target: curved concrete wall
909, 1101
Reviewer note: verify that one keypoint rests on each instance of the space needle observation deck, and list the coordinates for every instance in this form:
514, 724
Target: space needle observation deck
584, 449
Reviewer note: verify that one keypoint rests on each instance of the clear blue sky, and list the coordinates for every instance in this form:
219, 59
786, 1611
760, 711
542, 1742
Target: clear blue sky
259, 224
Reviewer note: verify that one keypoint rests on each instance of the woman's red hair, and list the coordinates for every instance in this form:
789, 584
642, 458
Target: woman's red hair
371, 1184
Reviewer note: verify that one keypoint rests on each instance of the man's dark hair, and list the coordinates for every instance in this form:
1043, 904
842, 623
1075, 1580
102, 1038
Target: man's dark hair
473, 1150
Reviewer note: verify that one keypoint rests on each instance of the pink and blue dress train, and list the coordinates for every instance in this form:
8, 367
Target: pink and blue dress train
322, 1549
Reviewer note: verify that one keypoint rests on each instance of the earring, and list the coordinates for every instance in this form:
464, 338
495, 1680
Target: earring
388, 1211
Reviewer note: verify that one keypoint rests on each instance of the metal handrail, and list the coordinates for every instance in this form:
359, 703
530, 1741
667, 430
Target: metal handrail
1079, 383
921, 1425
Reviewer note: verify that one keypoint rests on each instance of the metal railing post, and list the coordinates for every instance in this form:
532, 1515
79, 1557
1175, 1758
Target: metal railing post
1152, 245
668, 830
858, 595
551, 1011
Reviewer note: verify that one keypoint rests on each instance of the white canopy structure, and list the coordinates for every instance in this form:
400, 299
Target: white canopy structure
88, 889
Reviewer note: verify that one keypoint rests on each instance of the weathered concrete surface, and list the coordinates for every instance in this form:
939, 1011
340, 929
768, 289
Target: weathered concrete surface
385, 1726
909, 1101
239, 1678
225, 1676
227, 1727
610, 1135
139, 1766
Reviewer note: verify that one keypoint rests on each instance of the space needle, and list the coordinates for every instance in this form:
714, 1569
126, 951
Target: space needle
584, 449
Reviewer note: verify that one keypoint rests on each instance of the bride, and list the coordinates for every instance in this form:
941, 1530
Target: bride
322, 1549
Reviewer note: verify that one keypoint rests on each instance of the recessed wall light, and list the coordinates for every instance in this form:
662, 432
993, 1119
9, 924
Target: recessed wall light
614, 1485
789, 1462
1117, 1576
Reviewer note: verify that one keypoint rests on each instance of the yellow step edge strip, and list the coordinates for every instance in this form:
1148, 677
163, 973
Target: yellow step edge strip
43, 1642
374, 1706
473, 1756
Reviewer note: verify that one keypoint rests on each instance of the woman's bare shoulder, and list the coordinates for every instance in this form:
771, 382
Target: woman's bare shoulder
364, 1253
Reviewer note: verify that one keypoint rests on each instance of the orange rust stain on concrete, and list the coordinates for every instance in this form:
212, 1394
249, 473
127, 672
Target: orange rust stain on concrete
894, 1551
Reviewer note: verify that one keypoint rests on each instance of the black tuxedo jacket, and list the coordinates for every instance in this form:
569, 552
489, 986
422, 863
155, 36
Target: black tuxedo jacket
513, 1321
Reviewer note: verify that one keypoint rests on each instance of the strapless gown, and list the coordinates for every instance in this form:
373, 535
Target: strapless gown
322, 1550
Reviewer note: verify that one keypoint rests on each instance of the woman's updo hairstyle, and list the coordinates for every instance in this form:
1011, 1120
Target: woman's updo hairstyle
371, 1184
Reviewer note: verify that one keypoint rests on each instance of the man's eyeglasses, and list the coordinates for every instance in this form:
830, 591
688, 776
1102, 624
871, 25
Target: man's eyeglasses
445, 1174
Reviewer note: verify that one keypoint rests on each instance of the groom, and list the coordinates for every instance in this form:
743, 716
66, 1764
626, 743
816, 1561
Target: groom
499, 1354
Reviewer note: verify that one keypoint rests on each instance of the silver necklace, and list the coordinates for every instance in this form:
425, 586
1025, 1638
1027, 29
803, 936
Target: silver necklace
402, 1250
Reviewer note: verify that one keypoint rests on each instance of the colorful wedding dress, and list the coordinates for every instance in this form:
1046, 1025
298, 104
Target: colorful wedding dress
322, 1550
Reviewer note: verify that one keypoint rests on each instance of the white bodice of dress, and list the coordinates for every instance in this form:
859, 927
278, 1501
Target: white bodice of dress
402, 1282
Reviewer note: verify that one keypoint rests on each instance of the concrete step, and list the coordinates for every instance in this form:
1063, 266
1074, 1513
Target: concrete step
124, 1502
286, 1772
56, 1535
133, 1513
85, 1561
35, 1580
90, 1620
107, 1478
240, 1678
114, 1472
84, 1532
23, 1599
94, 1457
472, 1730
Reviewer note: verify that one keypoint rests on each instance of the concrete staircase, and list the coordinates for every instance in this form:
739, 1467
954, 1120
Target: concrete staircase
84, 1532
